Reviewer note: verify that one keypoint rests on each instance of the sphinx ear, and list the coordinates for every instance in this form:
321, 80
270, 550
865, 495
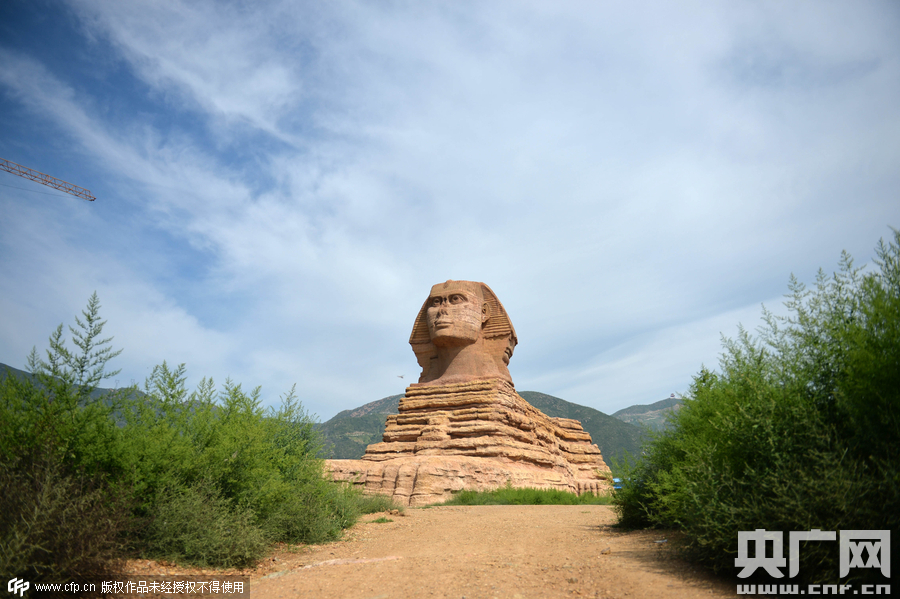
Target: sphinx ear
485, 312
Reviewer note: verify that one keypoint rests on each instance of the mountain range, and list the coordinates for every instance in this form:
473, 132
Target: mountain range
654, 416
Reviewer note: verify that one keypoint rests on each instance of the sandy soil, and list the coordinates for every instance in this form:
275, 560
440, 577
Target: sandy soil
489, 551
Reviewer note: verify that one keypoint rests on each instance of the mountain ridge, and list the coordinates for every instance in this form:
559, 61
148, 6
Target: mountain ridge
654, 416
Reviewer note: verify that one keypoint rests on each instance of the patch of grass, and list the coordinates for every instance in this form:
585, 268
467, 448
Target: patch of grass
381, 520
527, 496
372, 504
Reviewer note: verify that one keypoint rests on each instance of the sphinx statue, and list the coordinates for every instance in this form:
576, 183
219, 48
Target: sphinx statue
463, 426
462, 333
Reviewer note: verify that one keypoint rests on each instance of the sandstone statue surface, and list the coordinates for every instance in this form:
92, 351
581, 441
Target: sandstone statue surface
461, 334
463, 426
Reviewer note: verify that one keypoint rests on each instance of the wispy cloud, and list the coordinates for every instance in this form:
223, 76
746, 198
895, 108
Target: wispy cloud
293, 178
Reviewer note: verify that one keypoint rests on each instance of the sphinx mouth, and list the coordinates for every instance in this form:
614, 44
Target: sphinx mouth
443, 324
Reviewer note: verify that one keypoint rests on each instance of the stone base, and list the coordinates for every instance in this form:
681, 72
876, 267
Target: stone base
477, 435
422, 480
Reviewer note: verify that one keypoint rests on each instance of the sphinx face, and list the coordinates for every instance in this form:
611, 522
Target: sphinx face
455, 314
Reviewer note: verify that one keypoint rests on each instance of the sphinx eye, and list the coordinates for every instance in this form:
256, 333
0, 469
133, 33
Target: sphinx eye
436, 301
457, 299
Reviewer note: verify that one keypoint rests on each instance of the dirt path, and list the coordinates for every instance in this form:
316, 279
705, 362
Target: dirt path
526, 552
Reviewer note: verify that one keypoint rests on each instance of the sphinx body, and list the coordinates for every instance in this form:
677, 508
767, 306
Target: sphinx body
463, 426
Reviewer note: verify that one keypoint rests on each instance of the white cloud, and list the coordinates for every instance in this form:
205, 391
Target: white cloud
649, 367
627, 180
56, 272
207, 53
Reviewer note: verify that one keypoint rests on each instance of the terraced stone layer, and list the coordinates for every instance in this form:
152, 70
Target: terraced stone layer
476, 435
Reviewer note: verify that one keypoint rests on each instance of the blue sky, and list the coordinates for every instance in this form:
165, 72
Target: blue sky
280, 183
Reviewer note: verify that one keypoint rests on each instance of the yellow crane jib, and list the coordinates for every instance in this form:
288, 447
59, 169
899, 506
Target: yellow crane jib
30, 173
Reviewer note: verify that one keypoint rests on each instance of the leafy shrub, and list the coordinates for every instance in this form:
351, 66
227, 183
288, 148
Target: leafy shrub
258, 462
195, 524
313, 513
799, 430
56, 525
207, 477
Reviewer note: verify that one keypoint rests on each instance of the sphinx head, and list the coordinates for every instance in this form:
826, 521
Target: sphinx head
462, 333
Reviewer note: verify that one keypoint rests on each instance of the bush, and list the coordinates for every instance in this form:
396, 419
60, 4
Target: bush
207, 477
195, 524
56, 525
799, 430
257, 462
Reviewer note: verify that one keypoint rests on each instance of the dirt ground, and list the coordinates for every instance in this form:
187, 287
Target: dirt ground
518, 552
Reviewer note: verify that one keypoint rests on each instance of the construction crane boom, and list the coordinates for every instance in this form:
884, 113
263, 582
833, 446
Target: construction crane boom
30, 173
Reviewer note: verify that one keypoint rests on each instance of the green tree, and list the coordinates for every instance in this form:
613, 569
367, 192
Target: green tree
59, 451
78, 373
